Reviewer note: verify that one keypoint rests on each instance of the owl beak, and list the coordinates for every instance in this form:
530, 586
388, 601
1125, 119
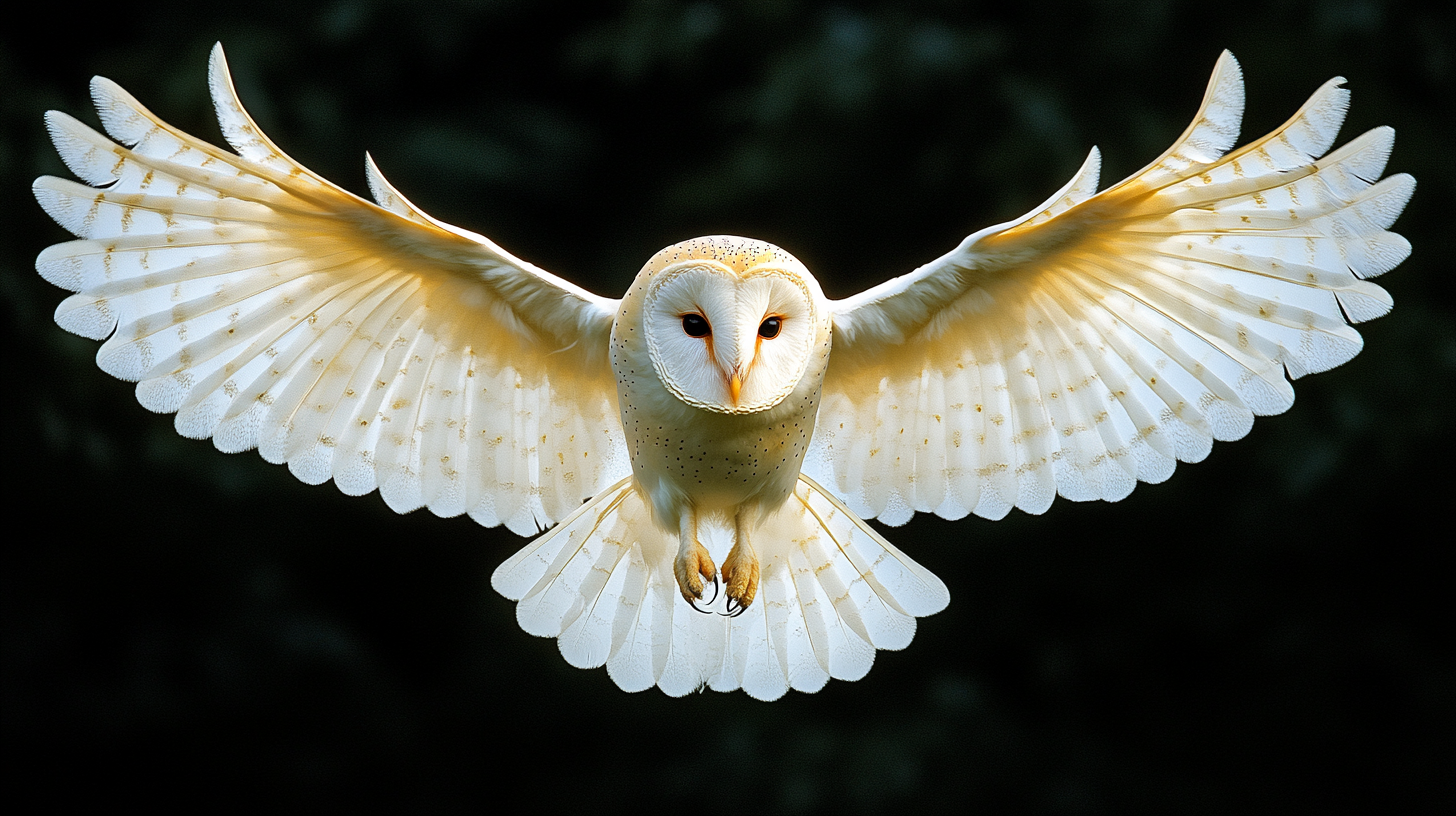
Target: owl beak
735, 385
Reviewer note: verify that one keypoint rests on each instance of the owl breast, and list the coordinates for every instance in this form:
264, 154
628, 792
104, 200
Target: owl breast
716, 463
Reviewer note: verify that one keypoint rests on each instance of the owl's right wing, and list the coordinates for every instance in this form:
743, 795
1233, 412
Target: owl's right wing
371, 345
1103, 337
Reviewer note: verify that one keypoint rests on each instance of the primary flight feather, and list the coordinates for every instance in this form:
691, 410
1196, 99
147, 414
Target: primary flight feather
705, 450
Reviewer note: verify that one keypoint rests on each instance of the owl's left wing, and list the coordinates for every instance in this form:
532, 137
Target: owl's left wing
370, 345
1099, 339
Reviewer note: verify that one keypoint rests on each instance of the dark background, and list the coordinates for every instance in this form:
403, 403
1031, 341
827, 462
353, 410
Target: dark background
1271, 630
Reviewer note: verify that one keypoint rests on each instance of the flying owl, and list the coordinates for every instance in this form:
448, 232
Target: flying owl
703, 453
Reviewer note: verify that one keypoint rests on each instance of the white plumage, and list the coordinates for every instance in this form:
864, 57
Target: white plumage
724, 421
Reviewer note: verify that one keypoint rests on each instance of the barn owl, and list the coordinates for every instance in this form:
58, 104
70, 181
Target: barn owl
703, 453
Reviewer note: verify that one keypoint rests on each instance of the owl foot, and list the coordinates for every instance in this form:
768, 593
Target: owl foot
693, 566
740, 571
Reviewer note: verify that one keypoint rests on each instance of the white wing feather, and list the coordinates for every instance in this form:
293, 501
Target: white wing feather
1099, 339
379, 348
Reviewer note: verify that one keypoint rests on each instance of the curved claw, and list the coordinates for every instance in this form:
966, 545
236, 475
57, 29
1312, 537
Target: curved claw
694, 604
734, 608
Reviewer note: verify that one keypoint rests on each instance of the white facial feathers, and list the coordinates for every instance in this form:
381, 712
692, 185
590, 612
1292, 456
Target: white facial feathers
732, 341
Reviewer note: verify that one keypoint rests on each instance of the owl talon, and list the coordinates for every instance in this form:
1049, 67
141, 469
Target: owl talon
694, 604
734, 609
740, 576
692, 567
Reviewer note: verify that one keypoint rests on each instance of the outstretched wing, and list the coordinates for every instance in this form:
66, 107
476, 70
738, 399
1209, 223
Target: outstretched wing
1099, 339
372, 345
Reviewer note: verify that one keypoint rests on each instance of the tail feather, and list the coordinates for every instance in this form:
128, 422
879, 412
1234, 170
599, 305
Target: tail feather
832, 591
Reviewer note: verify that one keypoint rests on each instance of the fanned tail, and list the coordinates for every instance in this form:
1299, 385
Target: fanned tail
832, 591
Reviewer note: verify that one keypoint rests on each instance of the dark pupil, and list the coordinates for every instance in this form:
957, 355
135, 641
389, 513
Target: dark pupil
769, 329
696, 325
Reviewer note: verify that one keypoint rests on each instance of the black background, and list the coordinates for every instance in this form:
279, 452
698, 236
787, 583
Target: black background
1270, 630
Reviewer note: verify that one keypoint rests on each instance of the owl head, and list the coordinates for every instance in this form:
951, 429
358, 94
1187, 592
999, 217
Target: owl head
731, 323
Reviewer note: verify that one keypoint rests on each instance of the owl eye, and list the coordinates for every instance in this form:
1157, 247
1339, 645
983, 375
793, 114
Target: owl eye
696, 325
769, 328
